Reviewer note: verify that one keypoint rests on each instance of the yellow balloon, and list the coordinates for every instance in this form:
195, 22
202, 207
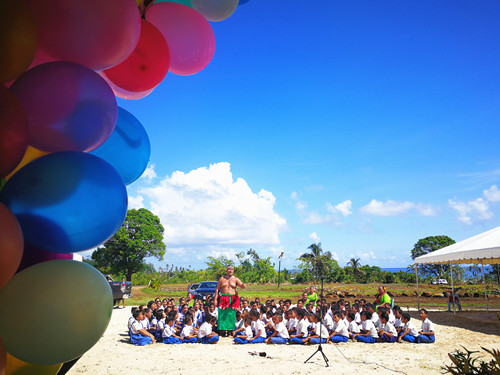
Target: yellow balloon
18, 38
17, 367
30, 155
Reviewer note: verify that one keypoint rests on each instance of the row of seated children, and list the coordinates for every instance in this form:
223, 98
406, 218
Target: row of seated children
298, 326
147, 327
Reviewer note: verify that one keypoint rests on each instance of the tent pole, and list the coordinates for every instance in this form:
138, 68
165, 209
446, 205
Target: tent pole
452, 291
484, 285
418, 294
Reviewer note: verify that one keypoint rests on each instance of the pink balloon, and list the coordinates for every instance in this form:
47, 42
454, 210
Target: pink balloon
69, 107
189, 36
11, 245
95, 33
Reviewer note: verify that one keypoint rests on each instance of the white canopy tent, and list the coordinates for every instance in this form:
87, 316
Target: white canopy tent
481, 249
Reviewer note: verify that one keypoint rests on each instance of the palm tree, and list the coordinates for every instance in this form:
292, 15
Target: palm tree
317, 259
355, 264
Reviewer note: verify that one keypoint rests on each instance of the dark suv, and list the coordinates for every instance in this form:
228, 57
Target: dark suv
205, 289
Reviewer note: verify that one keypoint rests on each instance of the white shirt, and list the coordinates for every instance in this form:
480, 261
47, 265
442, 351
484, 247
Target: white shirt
130, 321
302, 327
375, 319
205, 330
427, 326
321, 331
292, 323
392, 318
328, 321
398, 323
353, 327
370, 327
341, 328
389, 328
409, 325
248, 332
135, 327
167, 331
258, 326
282, 331
145, 323
187, 331
160, 326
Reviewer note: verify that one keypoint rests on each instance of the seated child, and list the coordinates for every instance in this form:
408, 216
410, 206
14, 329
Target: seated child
340, 332
138, 334
189, 333
160, 323
205, 334
292, 320
258, 328
168, 335
386, 332
353, 327
408, 332
280, 334
301, 331
426, 334
146, 312
327, 318
320, 334
131, 319
397, 315
369, 333
239, 322
242, 336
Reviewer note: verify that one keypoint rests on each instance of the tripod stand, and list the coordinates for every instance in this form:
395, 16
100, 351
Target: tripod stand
320, 348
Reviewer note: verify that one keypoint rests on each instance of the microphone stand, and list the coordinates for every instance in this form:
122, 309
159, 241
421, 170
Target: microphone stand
320, 348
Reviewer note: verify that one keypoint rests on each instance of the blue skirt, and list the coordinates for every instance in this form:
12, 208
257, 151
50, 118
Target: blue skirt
339, 338
426, 339
172, 340
209, 340
278, 340
140, 340
367, 339
258, 340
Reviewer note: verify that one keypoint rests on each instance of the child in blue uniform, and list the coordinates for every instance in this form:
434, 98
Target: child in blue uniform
426, 334
138, 334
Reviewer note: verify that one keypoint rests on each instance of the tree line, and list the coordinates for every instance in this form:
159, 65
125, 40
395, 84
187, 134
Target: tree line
141, 236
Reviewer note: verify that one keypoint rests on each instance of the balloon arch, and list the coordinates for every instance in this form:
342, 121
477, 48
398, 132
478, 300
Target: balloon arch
67, 152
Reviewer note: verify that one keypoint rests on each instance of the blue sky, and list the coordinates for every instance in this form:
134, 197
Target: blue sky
365, 125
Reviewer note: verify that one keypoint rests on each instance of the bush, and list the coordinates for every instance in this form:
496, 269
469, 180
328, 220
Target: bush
465, 363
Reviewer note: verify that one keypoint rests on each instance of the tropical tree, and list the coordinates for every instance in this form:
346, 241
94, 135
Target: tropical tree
355, 263
140, 236
427, 245
216, 267
319, 263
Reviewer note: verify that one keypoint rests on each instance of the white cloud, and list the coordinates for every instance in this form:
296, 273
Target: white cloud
207, 207
492, 194
135, 202
277, 250
476, 210
314, 218
314, 237
149, 174
345, 208
395, 208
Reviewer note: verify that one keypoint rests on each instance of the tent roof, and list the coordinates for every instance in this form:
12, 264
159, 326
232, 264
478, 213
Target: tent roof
483, 248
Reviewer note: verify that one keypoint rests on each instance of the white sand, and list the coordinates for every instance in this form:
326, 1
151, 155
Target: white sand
114, 355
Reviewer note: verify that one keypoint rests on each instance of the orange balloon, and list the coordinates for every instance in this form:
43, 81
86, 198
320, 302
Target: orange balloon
17, 367
3, 358
11, 245
18, 38
30, 155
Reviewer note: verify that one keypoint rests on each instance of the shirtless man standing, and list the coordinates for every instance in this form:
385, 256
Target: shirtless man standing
227, 300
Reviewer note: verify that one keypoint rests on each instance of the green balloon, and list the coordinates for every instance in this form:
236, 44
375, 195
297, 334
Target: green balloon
183, 2
70, 305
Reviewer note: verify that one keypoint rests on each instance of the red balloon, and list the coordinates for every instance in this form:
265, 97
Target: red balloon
11, 245
95, 33
189, 35
13, 131
146, 67
125, 94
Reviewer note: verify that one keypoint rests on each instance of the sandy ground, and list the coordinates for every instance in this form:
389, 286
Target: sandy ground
114, 355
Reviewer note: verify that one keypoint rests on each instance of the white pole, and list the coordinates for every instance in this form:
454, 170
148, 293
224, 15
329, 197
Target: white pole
418, 294
452, 290
484, 285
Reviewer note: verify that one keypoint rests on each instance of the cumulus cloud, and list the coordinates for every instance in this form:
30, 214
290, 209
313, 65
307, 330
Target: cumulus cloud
314, 237
149, 174
135, 202
492, 194
208, 207
396, 208
468, 212
345, 208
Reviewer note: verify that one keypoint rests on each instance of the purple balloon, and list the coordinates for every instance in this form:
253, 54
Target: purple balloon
69, 107
33, 255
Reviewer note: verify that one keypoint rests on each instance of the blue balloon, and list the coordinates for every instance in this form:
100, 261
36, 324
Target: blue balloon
128, 148
67, 201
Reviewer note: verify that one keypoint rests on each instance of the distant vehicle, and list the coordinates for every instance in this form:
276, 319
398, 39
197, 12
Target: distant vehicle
120, 291
439, 281
193, 287
206, 288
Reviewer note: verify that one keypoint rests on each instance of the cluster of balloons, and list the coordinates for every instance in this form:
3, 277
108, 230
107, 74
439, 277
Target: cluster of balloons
67, 152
